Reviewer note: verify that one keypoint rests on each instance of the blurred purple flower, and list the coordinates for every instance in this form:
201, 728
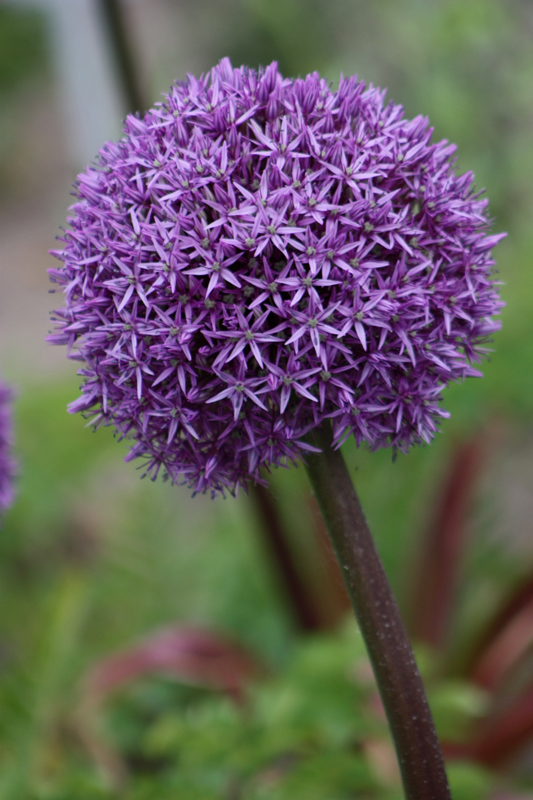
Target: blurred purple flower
258, 254
7, 464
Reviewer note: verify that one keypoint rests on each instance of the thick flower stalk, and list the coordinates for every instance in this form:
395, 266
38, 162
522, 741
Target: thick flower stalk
259, 254
7, 463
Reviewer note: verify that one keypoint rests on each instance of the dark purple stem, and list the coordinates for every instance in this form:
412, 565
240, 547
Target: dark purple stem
297, 591
376, 610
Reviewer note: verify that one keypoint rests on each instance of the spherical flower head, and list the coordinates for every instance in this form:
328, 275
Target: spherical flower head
259, 254
7, 464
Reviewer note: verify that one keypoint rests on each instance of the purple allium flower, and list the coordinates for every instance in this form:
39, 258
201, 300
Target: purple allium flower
7, 464
258, 254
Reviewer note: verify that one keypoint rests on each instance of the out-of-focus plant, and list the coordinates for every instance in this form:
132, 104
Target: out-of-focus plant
277, 744
498, 657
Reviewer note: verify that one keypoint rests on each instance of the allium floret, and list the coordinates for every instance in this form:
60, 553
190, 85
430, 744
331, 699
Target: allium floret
258, 254
7, 463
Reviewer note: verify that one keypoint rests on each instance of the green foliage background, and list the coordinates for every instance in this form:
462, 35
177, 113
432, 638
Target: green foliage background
91, 559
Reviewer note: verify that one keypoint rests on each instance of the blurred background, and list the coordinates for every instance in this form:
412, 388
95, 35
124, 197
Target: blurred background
207, 601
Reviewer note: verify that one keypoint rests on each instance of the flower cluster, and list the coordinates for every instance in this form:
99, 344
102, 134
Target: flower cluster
258, 254
7, 464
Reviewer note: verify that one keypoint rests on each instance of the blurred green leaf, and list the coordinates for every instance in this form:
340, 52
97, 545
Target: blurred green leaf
23, 48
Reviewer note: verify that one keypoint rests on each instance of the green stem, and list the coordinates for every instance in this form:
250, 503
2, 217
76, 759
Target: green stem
376, 610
